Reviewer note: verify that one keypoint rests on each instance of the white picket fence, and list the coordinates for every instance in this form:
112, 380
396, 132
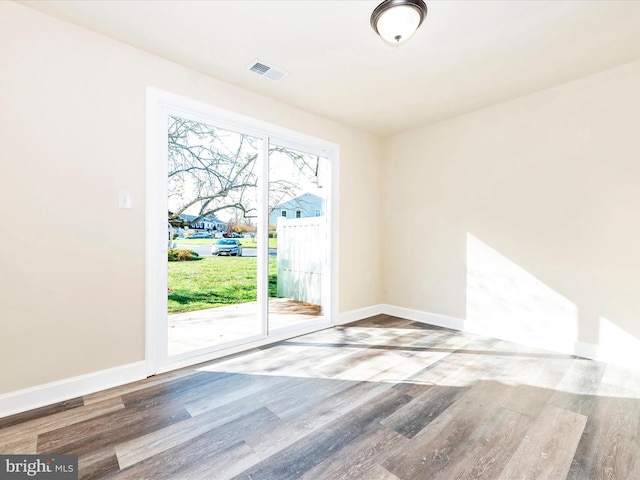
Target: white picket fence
302, 243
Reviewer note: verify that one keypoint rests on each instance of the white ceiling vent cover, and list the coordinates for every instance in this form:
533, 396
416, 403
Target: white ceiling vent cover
264, 70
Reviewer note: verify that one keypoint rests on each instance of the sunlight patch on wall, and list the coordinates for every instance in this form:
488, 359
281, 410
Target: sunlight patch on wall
505, 301
617, 345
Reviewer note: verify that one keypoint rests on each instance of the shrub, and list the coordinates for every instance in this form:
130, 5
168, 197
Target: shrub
182, 255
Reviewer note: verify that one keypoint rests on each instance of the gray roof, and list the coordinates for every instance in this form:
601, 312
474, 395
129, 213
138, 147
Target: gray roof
191, 218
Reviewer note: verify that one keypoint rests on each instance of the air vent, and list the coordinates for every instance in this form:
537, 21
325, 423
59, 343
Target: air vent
272, 73
259, 68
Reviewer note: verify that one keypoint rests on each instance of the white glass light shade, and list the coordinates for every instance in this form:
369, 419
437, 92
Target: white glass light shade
398, 24
397, 20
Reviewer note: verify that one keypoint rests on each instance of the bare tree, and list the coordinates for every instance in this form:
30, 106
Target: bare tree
286, 186
213, 169
209, 168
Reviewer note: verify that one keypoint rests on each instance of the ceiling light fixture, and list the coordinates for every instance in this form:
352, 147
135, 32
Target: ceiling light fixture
397, 20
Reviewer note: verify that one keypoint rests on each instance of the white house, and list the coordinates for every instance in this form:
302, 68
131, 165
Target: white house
304, 206
206, 224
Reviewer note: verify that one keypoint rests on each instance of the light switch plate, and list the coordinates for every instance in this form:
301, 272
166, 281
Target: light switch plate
124, 199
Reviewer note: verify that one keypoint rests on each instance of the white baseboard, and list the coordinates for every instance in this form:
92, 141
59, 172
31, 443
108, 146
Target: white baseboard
360, 314
628, 358
406, 313
579, 348
586, 350
54, 392
424, 317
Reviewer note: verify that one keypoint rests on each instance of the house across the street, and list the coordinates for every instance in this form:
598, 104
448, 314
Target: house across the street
307, 205
206, 224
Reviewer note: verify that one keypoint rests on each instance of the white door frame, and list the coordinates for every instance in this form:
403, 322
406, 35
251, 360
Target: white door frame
160, 105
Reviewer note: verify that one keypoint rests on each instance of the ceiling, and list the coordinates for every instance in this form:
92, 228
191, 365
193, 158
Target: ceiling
467, 55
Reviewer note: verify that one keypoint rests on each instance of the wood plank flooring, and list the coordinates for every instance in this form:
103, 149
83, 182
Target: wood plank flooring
379, 399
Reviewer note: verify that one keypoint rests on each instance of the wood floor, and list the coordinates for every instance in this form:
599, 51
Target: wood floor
382, 398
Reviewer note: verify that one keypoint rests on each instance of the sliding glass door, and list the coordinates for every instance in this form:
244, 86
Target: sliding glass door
243, 253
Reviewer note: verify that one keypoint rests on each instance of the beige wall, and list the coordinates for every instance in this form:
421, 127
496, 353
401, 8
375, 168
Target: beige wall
72, 133
541, 195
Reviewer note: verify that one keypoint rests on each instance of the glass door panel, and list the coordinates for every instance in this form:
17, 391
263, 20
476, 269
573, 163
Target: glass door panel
212, 263
298, 238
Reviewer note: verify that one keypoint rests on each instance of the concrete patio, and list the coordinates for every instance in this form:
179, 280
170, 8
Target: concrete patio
214, 326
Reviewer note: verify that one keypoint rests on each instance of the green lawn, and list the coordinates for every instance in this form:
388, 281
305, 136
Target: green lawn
215, 281
253, 243
246, 242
